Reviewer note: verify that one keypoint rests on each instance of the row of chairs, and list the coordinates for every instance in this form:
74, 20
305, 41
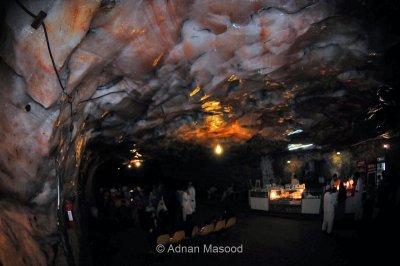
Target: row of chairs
205, 230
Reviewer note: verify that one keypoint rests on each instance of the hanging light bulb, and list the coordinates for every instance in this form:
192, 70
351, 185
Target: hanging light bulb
386, 146
218, 149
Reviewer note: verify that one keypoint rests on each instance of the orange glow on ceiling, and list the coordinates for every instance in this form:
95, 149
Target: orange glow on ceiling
214, 127
195, 91
212, 106
232, 78
157, 60
205, 97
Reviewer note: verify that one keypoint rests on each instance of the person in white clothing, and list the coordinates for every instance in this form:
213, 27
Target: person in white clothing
295, 181
330, 201
161, 206
186, 207
192, 196
358, 208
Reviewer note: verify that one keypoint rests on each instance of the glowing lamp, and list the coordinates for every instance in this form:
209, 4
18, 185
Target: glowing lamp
338, 153
129, 166
288, 161
273, 195
218, 150
386, 146
138, 164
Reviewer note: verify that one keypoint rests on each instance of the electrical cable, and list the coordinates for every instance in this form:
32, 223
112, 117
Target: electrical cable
25, 9
62, 233
52, 60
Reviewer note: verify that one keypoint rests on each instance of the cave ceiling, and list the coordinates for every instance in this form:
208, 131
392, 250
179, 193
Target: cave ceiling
158, 73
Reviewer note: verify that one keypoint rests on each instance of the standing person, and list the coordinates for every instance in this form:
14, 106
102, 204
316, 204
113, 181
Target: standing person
334, 181
229, 191
341, 205
295, 181
186, 207
192, 196
358, 197
330, 201
179, 212
187, 213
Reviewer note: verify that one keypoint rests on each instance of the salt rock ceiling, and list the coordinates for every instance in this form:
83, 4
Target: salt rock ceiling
159, 72
196, 71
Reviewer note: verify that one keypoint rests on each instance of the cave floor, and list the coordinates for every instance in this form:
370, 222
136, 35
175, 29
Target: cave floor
267, 240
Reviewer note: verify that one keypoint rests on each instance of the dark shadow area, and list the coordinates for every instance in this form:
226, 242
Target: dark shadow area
133, 206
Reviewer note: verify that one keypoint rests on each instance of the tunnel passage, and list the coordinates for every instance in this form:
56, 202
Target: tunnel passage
118, 197
159, 72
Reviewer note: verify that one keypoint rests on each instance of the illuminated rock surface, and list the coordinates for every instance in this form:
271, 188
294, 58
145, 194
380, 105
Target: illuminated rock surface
162, 72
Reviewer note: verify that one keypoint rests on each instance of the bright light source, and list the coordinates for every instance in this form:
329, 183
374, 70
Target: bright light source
138, 164
338, 153
292, 147
129, 166
195, 91
386, 146
218, 150
297, 131
288, 161
273, 195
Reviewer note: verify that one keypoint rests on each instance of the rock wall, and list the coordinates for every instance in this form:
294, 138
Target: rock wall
153, 72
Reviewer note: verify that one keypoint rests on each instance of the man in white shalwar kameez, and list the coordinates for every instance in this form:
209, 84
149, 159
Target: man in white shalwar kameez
330, 201
186, 207
192, 196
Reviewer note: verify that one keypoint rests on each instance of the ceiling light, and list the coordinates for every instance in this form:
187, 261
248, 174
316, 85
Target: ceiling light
292, 147
386, 146
297, 131
288, 161
218, 149
138, 164
338, 153
195, 91
129, 166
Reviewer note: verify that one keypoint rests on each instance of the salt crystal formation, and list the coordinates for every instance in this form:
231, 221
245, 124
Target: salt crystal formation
186, 71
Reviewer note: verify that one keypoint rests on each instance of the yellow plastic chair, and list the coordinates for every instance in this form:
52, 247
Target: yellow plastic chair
205, 230
231, 222
219, 225
163, 239
177, 237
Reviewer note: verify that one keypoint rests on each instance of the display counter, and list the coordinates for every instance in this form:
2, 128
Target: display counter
293, 199
258, 200
286, 199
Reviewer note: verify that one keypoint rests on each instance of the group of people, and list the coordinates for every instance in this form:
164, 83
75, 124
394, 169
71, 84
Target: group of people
153, 209
334, 199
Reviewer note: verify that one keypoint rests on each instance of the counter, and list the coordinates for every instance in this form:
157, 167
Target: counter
259, 200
